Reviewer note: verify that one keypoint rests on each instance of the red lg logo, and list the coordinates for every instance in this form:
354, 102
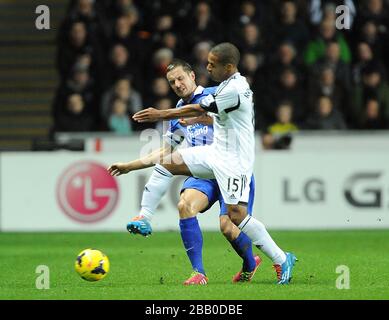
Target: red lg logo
86, 192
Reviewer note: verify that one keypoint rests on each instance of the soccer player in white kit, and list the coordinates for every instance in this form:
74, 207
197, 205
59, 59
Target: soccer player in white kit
230, 158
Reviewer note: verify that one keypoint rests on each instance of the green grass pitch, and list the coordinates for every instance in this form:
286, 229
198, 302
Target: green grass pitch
155, 267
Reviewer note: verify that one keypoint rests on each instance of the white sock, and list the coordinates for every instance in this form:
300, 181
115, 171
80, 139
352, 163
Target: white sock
155, 188
258, 234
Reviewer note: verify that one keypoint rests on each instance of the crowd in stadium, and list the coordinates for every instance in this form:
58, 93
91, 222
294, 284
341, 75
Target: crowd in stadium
305, 72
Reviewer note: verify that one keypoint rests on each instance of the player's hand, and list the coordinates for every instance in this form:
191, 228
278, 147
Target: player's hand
148, 115
184, 122
118, 169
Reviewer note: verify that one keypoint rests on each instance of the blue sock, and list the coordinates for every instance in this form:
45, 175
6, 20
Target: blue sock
193, 242
243, 247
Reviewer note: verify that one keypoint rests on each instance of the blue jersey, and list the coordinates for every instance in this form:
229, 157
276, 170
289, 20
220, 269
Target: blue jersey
195, 135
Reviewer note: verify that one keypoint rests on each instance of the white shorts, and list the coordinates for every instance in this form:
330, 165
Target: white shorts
234, 185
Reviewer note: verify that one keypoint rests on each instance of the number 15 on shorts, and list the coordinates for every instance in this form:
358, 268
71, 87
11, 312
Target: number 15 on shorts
236, 184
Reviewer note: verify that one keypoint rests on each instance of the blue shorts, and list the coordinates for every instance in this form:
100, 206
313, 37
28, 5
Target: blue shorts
210, 188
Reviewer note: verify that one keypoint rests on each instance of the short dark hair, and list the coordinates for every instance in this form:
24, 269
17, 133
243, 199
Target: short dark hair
227, 53
179, 63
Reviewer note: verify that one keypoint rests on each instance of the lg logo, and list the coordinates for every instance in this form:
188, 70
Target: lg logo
361, 190
312, 190
86, 192
364, 190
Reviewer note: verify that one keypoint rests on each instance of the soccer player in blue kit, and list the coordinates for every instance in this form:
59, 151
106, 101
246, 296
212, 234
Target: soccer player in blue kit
197, 195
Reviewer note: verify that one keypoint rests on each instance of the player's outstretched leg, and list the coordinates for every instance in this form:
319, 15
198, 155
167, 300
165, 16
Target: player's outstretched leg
157, 185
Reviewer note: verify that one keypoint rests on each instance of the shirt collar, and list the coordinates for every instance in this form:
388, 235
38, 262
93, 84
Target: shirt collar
199, 90
235, 74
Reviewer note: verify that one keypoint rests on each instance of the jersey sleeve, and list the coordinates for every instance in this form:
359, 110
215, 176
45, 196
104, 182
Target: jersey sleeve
226, 99
174, 135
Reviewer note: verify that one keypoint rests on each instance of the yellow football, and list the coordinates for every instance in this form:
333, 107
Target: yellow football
92, 265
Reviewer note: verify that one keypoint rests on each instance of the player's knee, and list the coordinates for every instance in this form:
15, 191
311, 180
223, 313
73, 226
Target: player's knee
223, 225
226, 227
235, 215
182, 207
185, 209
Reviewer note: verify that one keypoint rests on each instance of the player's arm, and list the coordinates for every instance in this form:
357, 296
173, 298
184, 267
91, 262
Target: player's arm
152, 115
203, 119
147, 161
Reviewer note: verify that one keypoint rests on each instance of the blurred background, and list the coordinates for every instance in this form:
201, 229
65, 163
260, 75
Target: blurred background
321, 95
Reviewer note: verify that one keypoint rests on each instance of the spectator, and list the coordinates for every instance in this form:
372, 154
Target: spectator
251, 40
102, 42
136, 42
159, 89
120, 8
369, 34
87, 12
248, 13
332, 60
124, 91
364, 58
316, 48
244, 13
160, 60
171, 41
287, 88
83, 84
285, 57
122, 34
163, 23
289, 28
78, 43
204, 26
278, 134
327, 86
74, 118
202, 77
120, 66
373, 87
284, 117
249, 66
119, 121
179, 9
322, 9
326, 117
200, 54
271, 142
163, 104
80, 83
376, 14
374, 11
372, 118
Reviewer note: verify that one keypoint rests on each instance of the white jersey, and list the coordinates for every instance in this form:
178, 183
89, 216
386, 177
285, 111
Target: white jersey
234, 143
